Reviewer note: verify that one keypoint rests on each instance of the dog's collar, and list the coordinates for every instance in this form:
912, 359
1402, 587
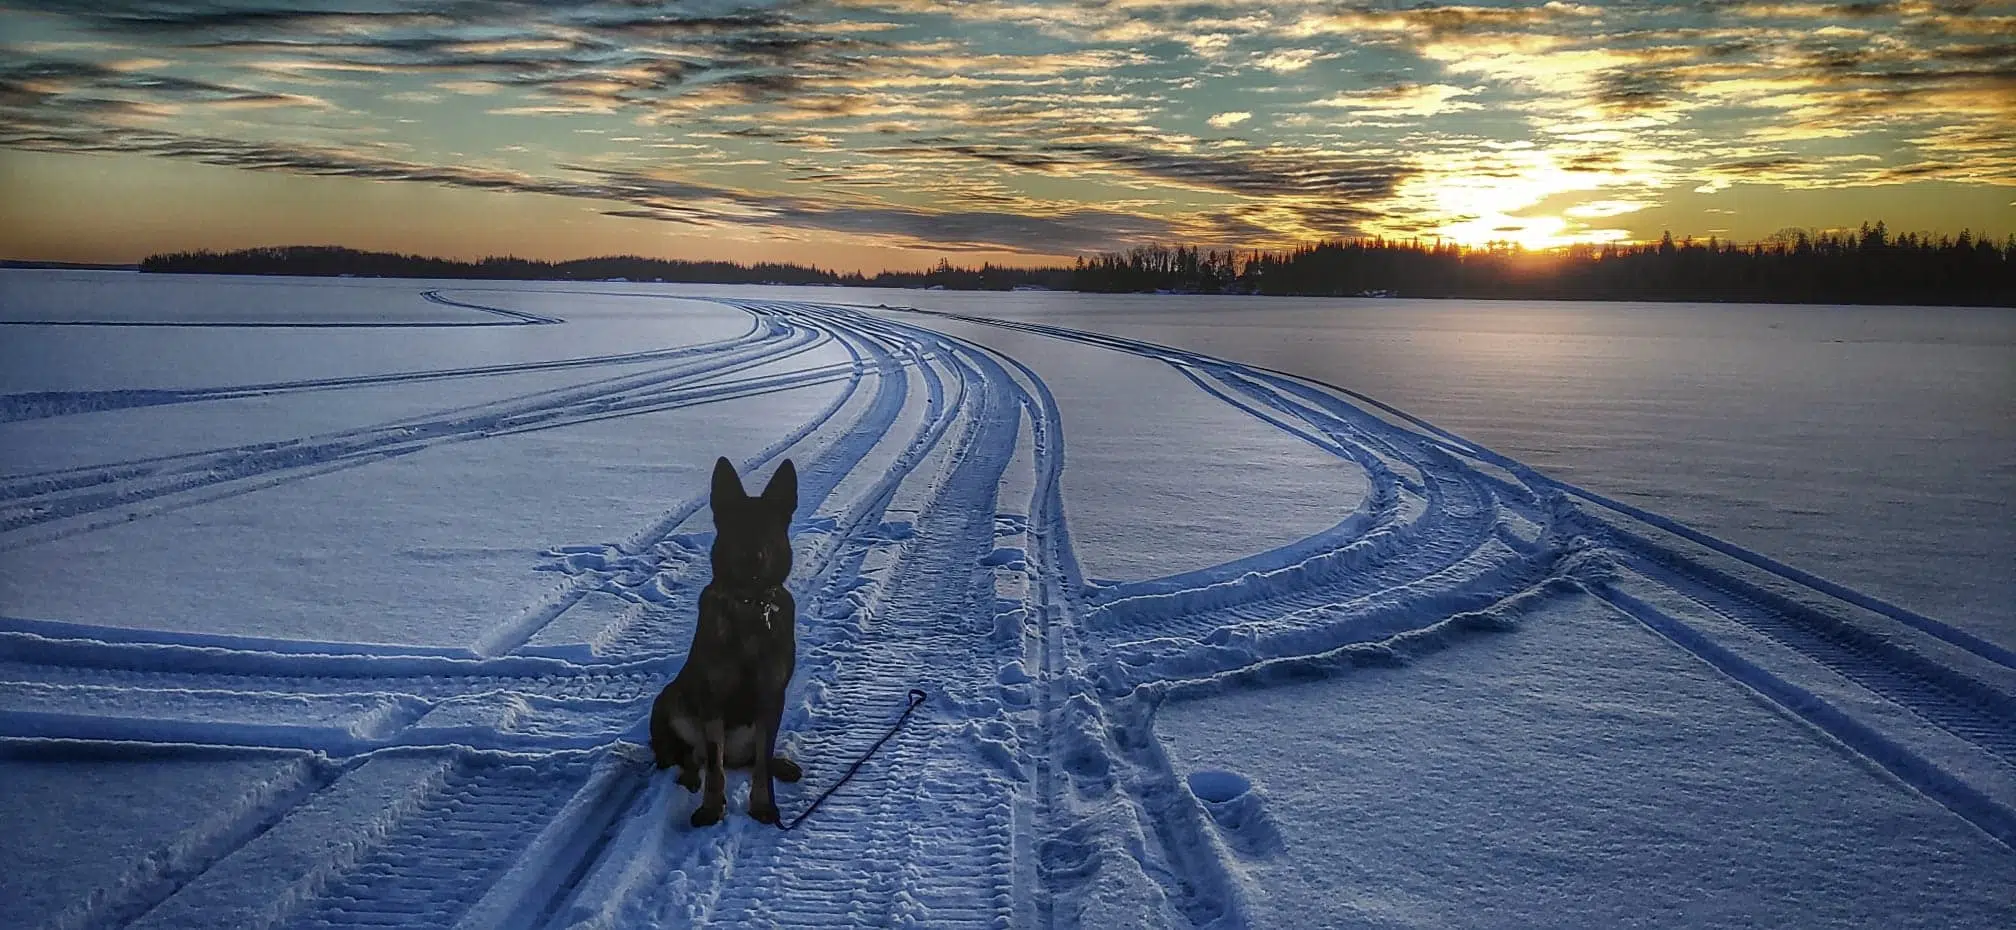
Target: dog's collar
762, 598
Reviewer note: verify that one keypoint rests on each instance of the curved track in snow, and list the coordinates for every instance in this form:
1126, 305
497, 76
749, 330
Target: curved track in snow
487, 316
503, 784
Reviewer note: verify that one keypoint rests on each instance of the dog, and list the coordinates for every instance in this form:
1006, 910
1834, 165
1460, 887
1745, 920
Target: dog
723, 709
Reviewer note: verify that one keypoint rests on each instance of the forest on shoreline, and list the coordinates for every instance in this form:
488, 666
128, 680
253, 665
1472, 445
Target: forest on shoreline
1865, 266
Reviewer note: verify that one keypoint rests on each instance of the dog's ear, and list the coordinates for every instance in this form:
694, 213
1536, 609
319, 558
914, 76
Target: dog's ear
727, 485
782, 491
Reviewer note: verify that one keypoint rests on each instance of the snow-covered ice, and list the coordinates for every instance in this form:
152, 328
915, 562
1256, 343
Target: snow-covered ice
1871, 444
1577, 773
341, 603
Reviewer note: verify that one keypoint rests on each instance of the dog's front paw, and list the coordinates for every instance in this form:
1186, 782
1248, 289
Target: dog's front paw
784, 769
689, 780
706, 815
763, 813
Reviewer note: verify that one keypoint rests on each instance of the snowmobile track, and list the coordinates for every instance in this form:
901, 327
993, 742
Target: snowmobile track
504, 784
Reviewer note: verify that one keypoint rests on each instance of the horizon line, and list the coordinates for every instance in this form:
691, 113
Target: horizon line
1434, 241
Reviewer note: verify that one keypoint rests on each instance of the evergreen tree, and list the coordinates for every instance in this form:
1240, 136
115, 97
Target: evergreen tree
1866, 265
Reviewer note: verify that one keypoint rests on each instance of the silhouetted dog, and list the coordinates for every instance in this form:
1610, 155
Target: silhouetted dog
723, 709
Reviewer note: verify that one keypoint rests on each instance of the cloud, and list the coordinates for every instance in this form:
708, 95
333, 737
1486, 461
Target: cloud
147, 17
607, 55
1266, 172
1278, 194
908, 118
59, 85
643, 196
1630, 89
1287, 60
1596, 209
1079, 229
1270, 172
1405, 100
1436, 21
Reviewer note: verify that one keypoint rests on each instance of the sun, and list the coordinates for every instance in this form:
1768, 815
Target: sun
1519, 202
1532, 233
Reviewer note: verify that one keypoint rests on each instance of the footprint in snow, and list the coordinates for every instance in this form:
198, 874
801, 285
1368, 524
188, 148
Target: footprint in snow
1239, 810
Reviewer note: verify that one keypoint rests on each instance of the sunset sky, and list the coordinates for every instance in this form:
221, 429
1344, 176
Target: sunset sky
889, 133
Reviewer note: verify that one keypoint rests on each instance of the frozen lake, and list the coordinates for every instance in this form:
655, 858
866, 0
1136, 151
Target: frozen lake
343, 602
1872, 445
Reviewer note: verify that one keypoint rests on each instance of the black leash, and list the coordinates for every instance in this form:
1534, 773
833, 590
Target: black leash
916, 698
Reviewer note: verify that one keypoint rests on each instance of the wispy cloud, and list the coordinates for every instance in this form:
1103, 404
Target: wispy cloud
1041, 124
1405, 100
640, 195
82, 89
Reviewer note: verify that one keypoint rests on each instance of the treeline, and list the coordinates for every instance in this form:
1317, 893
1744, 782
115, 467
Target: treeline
332, 261
66, 266
329, 261
1866, 266
984, 278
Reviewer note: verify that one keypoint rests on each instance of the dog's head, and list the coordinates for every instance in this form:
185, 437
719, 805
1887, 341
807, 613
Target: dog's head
752, 535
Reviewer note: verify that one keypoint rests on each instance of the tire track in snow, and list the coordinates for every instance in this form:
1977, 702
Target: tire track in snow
844, 607
833, 578
386, 884
1460, 516
26, 658
405, 837
1459, 519
31, 502
1032, 789
191, 491
439, 859
931, 627
86, 665
575, 403
1072, 758
35, 405
757, 335
172, 861
510, 318
1943, 697
1997, 818
1456, 554
660, 589
1244, 641
253, 654
667, 598
40, 653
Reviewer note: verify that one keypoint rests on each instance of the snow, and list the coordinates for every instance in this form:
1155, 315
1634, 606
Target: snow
70, 297
1577, 773
337, 341
135, 823
1869, 444
357, 623
1143, 437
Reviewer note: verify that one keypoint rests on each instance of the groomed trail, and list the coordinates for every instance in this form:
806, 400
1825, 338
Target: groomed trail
505, 784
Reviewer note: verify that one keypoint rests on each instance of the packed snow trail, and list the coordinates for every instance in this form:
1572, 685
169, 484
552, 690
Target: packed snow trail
504, 783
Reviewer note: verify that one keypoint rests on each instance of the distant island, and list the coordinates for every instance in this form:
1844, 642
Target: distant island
69, 266
1868, 266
